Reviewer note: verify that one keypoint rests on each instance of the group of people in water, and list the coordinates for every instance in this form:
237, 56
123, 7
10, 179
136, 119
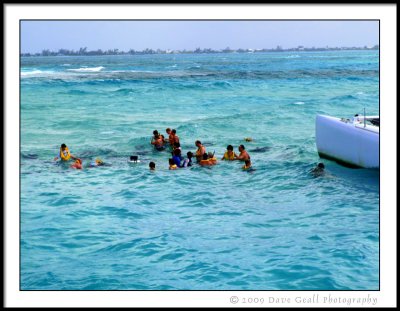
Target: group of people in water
202, 157
160, 143
65, 155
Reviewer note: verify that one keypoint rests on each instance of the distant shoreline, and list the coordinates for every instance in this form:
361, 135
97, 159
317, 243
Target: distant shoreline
85, 52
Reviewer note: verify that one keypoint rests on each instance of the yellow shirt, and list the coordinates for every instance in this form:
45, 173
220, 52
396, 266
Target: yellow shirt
229, 157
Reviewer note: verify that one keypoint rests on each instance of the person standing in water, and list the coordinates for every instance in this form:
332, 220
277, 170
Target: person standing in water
229, 154
64, 154
201, 150
243, 155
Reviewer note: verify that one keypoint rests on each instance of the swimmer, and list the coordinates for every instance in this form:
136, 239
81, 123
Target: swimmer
229, 154
169, 140
177, 145
243, 156
201, 150
172, 165
155, 135
173, 138
248, 139
177, 157
152, 166
64, 154
77, 164
158, 142
189, 157
97, 162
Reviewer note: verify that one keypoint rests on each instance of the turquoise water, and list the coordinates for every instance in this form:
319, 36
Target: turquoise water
122, 227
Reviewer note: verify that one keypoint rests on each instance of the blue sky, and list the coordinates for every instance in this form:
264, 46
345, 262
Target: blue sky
178, 35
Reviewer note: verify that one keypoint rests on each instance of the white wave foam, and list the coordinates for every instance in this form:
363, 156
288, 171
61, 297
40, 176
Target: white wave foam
29, 73
299, 103
36, 73
87, 69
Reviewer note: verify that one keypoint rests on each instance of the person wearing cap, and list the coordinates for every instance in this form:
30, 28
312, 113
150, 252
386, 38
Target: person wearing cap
97, 162
173, 138
229, 155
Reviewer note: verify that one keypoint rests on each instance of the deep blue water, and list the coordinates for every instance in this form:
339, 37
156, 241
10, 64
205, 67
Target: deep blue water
123, 227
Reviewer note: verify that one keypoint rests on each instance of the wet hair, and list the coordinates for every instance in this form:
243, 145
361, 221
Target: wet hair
198, 142
63, 146
155, 132
241, 146
230, 147
321, 165
174, 131
168, 130
189, 154
177, 144
171, 161
152, 165
134, 158
177, 152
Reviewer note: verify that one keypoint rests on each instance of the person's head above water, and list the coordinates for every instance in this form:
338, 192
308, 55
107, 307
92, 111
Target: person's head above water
198, 143
155, 133
63, 146
241, 147
230, 148
177, 152
168, 130
189, 154
321, 165
152, 165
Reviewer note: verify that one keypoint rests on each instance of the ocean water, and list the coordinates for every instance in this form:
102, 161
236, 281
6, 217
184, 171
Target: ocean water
122, 227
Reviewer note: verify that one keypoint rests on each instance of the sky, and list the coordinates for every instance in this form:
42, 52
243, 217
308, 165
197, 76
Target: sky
179, 35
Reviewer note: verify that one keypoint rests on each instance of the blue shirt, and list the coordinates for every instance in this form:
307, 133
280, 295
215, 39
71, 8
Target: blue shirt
177, 160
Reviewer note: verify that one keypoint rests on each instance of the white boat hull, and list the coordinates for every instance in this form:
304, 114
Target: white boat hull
348, 143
